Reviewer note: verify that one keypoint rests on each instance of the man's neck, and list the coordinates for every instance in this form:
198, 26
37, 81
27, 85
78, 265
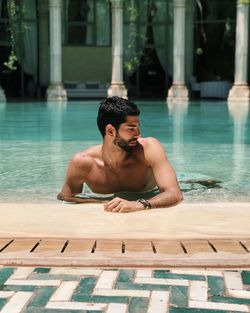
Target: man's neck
114, 152
114, 156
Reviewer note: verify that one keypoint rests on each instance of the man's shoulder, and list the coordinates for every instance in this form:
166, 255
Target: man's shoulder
153, 149
86, 157
149, 142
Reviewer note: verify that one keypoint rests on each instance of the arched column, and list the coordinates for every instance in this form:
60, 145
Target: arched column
240, 90
56, 91
43, 22
2, 95
178, 91
117, 87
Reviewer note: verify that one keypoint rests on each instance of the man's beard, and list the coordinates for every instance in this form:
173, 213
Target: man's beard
124, 144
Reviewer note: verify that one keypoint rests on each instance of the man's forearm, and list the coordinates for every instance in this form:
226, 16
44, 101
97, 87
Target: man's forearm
75, 199
166, 199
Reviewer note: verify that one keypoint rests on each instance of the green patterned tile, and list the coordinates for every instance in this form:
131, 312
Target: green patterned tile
192, 310
167, 274
18, 288
86, 285
179, 296
216, 286
245, 277
43, 310
125, 276
160, 273
230, 300
45, 276
42, 296
98, 299
141, 286
138, 305
42, 270
2, 303
5, 273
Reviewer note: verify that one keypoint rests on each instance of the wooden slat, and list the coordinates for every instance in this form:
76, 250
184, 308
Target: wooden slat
108, 246
21, 245
79, 246
168, 247
197, 246
246, 244
138, 246
4, 242
108, 253
222, 245
50, 246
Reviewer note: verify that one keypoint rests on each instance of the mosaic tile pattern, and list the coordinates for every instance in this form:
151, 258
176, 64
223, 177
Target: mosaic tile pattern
95, 290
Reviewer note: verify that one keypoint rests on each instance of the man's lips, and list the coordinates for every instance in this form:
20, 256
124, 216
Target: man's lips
133, 142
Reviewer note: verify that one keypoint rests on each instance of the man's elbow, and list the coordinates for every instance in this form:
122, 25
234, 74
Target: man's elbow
178, 197
60, 197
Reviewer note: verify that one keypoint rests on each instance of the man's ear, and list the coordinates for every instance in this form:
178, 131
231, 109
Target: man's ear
110, 130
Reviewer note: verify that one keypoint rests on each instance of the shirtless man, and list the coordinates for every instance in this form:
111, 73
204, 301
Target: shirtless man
124, 162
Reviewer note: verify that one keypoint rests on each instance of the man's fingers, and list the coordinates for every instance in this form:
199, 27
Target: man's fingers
112, 201
114, 208
112, 204
119, 205
117, 209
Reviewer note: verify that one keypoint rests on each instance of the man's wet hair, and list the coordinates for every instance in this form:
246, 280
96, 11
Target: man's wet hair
114, 110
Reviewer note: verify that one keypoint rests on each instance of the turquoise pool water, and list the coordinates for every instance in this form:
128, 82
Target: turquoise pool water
204, 140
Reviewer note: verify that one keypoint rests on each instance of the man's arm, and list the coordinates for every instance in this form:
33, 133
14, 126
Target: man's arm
78, 168
170, 193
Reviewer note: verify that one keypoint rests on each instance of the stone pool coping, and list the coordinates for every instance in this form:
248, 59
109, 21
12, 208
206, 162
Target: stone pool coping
184, 221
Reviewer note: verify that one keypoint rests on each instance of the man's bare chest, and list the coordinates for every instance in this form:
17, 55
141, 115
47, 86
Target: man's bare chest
130, 177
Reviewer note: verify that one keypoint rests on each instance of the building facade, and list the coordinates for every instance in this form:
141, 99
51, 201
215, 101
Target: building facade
140, 48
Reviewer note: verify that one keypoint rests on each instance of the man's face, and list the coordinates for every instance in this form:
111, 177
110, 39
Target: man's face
128, 133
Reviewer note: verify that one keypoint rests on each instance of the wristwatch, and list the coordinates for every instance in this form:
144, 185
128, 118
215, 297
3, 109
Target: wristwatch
146, 204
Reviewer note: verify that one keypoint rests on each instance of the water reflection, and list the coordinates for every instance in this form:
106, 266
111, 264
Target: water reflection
239, 114
178, 112
58, 105
56, 112
2, 106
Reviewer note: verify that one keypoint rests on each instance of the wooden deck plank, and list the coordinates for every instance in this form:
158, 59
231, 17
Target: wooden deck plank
168, 247
108, 246
50, 246
79, 246
21, 245
4, 242
147, 253
139, 246
228, 245
197, 246
246, 244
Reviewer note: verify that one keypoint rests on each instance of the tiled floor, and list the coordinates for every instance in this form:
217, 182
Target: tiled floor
47, 290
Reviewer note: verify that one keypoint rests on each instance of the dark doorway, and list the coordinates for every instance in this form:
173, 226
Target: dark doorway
149, 79
214, 37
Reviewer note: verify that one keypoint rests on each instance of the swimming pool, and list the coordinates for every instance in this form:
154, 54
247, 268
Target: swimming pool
203, 140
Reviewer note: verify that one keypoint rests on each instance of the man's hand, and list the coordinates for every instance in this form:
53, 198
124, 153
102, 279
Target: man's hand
119, 205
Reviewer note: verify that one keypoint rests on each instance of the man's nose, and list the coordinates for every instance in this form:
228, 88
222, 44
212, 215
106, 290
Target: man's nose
137, 133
